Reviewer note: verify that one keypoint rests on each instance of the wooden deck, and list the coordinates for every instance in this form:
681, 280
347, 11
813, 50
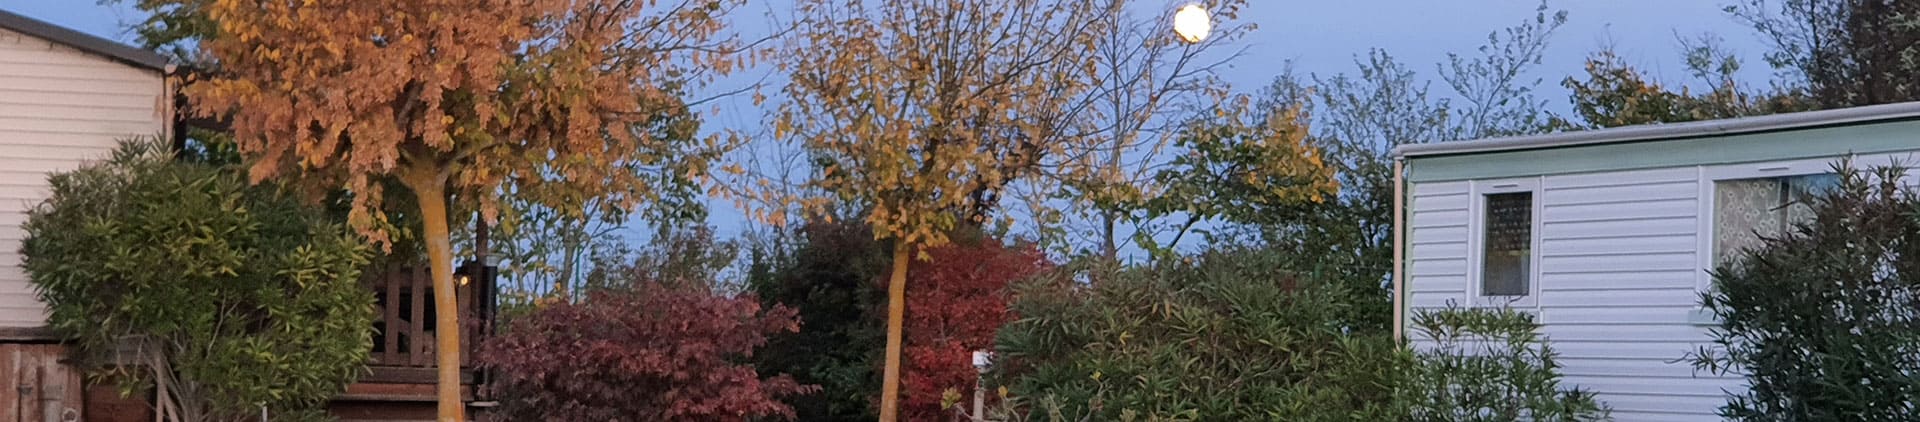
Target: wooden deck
402, 370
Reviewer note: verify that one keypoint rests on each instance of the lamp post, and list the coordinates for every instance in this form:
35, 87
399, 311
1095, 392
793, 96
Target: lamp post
981, 361
1192, 23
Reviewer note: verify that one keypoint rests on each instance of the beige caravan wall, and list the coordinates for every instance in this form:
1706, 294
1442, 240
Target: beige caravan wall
59, 107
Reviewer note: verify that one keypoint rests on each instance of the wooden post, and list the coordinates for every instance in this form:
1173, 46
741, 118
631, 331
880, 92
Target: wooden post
1399, 251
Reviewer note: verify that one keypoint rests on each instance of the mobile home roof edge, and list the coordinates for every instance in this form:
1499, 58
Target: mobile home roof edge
82, 41
1654, 132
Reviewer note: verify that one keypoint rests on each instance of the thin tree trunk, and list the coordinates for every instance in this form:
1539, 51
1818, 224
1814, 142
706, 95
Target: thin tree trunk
430, 191
896, 317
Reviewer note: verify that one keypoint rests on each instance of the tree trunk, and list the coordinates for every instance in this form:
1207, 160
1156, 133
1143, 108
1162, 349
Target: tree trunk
430, 191
896, 317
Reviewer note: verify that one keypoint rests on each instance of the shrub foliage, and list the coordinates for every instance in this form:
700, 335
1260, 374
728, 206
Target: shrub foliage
646, 353
832, 279
1230, 337
1488, 365
958, 303
1824, 321
230, 296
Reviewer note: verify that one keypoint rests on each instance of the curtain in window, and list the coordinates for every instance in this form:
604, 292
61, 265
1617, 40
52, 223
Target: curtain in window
1747, 211
1743, 214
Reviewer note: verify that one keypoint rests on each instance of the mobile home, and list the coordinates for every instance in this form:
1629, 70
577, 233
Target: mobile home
1607, 235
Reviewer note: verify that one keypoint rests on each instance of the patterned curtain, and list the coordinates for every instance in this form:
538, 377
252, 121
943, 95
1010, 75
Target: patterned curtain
1747, 211
1744, 212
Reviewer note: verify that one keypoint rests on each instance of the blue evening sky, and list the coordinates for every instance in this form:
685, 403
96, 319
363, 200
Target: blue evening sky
1320, 37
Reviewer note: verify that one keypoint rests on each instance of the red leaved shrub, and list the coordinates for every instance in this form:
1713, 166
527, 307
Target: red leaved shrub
648, 353
956, 302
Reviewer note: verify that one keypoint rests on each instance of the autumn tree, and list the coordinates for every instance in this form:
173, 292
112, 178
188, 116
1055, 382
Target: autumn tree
924, 111
1614, 93
546, 101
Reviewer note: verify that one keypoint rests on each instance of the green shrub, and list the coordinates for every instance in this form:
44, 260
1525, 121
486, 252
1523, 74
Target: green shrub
832, 277
230, 296
1824, 321
1488, 365
1230, 337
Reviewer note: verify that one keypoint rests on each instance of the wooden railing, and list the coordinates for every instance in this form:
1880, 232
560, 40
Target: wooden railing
405, 329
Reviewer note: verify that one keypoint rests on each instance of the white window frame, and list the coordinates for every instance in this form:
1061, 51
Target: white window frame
1710, 178
1477, 236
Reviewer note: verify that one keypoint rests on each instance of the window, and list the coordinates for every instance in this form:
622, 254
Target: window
1506, 259
1747, 211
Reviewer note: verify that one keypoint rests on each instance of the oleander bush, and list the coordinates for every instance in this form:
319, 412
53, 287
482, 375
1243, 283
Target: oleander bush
1824, 319
229, 296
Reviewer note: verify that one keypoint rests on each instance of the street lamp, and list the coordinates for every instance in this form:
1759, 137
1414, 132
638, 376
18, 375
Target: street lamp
1191, 23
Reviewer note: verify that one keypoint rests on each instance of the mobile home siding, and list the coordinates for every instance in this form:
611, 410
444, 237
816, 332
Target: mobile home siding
59, 108
1617, 281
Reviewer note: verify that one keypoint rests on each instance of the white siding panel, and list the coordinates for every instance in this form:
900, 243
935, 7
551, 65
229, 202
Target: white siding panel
1622, 178
1445, 218
1615, 315
1438, 188
1680, 386
1437, 267
1453, 233
1648, 351
59, 108
1647, 368
1454, 285
1680, 243
1654, 332
1427, 251
1553, 263
1635, 210
1624, 280
1618, 278
1595, 298
1683, 190
1612, 228
1440, 202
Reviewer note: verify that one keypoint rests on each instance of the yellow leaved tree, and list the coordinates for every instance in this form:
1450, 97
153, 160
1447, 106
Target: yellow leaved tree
924, 111
553, 102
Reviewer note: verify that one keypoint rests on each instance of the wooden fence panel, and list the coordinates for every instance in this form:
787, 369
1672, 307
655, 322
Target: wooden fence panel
34, 378
10, 358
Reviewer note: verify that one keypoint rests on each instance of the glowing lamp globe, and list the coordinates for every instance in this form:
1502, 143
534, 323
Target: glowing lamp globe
1191, 23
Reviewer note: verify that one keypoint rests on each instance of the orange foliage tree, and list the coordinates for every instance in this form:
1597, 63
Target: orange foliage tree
923, 111
546, 101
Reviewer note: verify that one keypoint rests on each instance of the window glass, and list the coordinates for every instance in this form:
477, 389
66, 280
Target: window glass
1506, 262
1747, 211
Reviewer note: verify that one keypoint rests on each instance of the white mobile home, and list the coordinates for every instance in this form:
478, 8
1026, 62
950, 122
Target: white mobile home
1607, 235
65, 98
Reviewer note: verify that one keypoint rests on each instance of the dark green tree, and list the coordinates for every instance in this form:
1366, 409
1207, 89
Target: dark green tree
831, 277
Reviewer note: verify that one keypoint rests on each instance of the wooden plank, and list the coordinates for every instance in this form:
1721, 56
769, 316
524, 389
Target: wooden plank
26, 334
390, 337
105, 404
407, 375
34, 376
418, 339
76, 399
9, 382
